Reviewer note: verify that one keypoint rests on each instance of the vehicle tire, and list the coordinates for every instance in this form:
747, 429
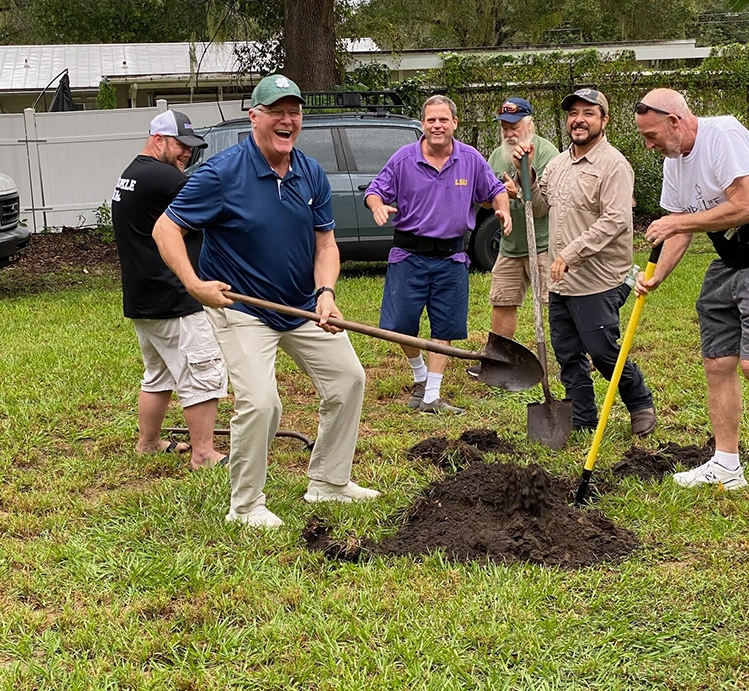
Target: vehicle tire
485, 244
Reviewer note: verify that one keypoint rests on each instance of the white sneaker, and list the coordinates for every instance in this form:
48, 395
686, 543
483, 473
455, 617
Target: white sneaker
324, 491
259, 517
712, 473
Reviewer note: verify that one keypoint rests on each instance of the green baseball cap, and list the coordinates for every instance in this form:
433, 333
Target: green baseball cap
272, 88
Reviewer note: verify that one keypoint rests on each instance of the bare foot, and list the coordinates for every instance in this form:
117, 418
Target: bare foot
164, 446
213, 460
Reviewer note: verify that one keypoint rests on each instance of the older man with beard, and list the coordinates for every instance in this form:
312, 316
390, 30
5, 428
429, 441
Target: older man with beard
587, 191
511, 272
706, 190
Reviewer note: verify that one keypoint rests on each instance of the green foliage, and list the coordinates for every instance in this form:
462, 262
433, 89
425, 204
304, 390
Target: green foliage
479, 84
104, 228
113, 21
399, 24
372, 76
106, 98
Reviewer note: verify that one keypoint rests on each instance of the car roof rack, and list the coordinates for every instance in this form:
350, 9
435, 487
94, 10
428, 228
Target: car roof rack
385, 101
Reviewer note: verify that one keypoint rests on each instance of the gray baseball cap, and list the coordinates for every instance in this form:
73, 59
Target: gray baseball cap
172, 123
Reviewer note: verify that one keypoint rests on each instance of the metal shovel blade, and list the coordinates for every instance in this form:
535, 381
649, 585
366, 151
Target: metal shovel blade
508, 365
550, 422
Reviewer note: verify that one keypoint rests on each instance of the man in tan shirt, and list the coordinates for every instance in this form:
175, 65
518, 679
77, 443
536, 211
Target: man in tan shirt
587, 192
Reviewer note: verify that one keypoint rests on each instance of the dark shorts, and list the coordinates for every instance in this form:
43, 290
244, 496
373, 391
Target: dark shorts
723, 310
440, 285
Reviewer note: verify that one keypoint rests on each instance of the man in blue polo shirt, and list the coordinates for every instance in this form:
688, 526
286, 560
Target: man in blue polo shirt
434, 183
265, 209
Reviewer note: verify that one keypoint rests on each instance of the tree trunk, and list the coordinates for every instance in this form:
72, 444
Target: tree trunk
309, 44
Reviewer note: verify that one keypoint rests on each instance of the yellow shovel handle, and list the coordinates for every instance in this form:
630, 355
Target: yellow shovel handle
620, 362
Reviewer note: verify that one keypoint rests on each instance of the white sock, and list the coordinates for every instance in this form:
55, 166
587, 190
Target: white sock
730, 461
432, 390
418, 367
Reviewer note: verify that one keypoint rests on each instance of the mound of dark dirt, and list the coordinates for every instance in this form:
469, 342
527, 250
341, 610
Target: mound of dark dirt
486, 441
655, 465
456, 454
510, 514
448, 455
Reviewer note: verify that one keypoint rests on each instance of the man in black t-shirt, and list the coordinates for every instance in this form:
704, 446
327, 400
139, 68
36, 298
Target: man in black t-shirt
179, 350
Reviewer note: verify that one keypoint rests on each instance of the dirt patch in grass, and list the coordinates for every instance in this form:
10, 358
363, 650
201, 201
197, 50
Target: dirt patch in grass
655, 465
508, 513
316, 535
60, 260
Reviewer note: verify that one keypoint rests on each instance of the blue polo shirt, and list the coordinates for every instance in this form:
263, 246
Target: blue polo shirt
259, 229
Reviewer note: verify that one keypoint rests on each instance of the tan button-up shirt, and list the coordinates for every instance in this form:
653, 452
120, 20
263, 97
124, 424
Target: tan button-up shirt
589, 201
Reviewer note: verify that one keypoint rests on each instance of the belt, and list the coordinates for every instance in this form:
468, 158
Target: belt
428, 246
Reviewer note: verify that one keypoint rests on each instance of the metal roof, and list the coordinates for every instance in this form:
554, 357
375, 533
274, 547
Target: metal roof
31, 68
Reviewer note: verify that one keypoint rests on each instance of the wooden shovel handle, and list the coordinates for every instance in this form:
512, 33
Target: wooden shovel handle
366, 329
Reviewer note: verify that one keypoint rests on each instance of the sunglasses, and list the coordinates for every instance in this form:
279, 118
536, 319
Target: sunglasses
642, 108
511, 108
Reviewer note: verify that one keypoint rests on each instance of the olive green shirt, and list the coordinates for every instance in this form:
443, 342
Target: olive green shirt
516, 243
589, 201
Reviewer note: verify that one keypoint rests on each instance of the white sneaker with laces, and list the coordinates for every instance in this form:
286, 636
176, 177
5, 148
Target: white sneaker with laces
712, 473
259, 517
324, 491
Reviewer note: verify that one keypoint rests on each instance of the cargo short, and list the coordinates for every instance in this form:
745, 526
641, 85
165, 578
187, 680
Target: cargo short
181, 355
723, 311
511, 278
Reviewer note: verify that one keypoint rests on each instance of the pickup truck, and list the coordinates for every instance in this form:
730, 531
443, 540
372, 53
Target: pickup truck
14, 238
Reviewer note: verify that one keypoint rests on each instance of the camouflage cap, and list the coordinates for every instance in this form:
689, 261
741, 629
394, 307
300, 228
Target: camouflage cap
589, 95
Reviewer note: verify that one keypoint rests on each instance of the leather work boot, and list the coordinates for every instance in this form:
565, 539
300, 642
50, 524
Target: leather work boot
417, 395
643, 421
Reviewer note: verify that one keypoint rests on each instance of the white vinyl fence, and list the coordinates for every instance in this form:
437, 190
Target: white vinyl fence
67, 164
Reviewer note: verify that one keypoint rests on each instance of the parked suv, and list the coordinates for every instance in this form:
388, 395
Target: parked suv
14, 238
352, 147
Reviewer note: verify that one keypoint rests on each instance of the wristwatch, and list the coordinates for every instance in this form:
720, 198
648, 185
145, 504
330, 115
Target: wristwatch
324, 289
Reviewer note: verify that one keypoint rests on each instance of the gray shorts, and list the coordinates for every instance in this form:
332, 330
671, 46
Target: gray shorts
723, 311
181, 355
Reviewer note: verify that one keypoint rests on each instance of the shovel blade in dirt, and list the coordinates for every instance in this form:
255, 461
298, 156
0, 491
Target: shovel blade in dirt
550, 422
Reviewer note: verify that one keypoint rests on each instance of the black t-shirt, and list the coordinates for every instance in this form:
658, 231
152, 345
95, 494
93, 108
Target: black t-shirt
150, 290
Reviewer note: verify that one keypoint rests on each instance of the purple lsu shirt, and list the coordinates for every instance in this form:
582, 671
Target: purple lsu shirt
435, 203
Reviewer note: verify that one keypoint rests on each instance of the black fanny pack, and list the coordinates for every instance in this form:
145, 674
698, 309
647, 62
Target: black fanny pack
431, 247
734, 251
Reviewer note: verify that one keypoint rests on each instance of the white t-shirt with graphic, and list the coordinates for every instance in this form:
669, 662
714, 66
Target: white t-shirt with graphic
697, 182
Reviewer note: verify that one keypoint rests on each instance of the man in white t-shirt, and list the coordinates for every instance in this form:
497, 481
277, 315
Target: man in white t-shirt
706, 190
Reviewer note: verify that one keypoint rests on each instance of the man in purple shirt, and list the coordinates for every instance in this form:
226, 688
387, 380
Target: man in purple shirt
434, 184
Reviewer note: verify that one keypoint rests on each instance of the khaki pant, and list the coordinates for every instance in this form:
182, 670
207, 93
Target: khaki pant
249, 348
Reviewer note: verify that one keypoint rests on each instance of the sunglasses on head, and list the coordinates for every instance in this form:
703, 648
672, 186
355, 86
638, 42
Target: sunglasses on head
642, 108
510, 108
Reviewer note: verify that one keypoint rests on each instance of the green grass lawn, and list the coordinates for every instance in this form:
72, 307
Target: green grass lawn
118, 572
